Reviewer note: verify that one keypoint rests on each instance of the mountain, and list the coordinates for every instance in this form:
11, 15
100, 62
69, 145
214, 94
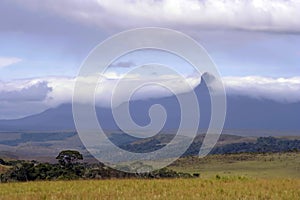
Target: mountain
59, 118
243, 113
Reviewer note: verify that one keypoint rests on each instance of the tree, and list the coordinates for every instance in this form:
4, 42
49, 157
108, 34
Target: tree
2, 162
68, 157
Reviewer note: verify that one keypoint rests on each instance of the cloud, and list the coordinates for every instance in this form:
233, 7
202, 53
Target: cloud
124, 64
24, 97
62, 88
29, 92
252, 15
7, 61
285, 90
53, 91
19, 98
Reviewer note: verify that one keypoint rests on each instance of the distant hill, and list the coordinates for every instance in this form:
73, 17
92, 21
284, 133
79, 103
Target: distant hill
46, 145
227, 144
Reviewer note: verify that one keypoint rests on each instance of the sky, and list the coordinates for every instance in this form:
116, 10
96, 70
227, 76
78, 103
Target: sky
254, 43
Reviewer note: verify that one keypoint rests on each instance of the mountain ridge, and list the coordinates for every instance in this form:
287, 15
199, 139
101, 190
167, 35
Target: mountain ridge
243, 113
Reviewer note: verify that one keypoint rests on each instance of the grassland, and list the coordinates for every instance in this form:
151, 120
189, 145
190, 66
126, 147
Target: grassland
242, 176
155, 189
271, 165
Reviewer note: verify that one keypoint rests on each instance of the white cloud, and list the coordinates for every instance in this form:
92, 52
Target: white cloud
36, 92
53, 91
59, 90
262, 15
285, 90
62, 88
6, 61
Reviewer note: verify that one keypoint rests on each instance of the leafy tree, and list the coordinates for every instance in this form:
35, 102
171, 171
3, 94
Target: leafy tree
2, 162
68, 157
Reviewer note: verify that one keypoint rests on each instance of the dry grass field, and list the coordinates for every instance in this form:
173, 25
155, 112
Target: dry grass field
234, 188
242, 176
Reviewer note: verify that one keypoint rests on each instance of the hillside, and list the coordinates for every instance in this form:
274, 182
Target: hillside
267, 165
46, 145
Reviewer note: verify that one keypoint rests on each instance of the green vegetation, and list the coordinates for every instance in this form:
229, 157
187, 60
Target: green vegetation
36, 137
251, 165
262, 145
68, 158
68, 168
33, 171
227, 144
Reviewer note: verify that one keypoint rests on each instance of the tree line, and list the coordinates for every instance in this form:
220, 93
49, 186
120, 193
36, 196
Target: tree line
262, 145
69, 168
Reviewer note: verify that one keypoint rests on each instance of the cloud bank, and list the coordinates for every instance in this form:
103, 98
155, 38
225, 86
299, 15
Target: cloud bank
285, 90
25, 97
253, 15
35, 92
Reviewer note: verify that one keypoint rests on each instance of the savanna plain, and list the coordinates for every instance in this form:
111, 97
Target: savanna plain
234, 176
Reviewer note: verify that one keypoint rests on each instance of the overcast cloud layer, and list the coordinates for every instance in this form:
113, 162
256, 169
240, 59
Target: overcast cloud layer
254, 43
254, 15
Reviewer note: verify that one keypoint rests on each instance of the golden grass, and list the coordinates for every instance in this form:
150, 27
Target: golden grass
232, 188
